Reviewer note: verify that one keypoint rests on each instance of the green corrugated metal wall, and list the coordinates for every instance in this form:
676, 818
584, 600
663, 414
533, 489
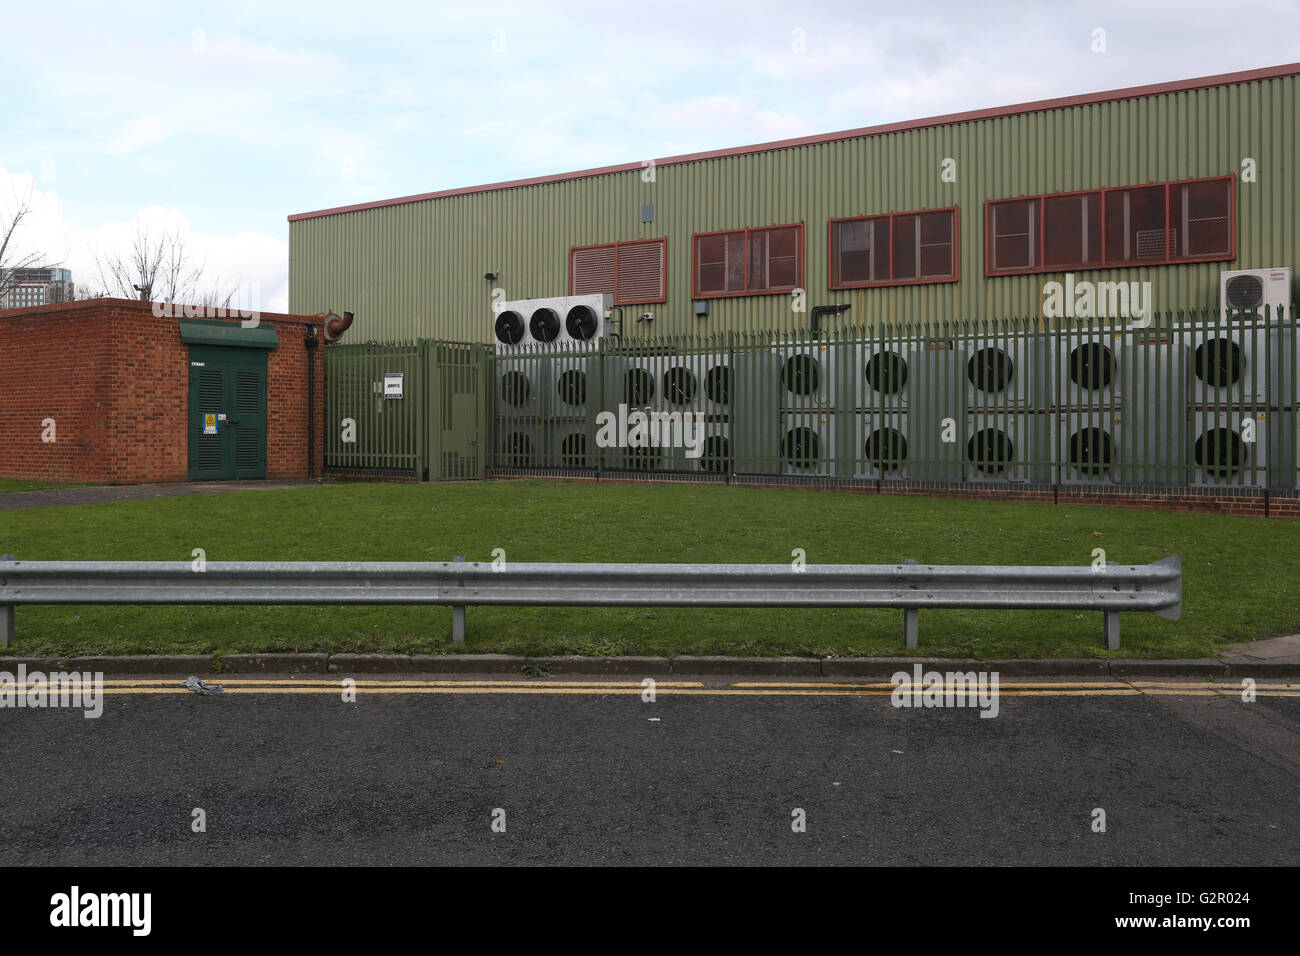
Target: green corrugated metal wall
417, 269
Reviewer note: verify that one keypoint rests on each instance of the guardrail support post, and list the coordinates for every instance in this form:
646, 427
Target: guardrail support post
6, 615
1111, 623
458, 614
911, 620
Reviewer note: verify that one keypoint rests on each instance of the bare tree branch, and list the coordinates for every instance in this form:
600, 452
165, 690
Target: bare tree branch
157, 268
10, 222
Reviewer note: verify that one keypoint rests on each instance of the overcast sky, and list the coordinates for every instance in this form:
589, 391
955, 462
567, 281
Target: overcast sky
223, 119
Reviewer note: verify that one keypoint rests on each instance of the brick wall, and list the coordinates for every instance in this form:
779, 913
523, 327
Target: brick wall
115, 379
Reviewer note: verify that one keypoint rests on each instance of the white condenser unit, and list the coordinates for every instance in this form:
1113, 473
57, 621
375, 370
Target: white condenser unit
886, 375
1230, 447
998, 371
550, 322
1090, 369
808, 444
1255, 292
1002, 446
883, 445
811, 376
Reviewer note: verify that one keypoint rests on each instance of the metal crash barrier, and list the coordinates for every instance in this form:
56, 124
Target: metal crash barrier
1111, 589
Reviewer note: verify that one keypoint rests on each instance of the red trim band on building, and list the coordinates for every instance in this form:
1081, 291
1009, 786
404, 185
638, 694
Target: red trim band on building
1037, 106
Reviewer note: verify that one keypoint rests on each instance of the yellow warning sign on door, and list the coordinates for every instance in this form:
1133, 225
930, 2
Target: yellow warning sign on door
210, 424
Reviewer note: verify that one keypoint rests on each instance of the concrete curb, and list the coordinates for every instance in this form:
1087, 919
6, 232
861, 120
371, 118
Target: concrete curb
766, 666
275, 663
144, 664
1198, 667
871, 667
368, 663
602, 665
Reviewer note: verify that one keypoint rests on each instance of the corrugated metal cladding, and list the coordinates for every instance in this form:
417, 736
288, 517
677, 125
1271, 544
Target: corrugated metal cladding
417, 269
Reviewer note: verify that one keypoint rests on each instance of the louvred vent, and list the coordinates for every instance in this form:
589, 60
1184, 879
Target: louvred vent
632, 271
640, 272
593, 270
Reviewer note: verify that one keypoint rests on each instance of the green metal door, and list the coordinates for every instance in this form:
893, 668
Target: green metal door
227, 417
455, 416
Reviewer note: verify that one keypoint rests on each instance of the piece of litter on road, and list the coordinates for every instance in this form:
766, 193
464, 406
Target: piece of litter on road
896, 751
202, 687
652, 718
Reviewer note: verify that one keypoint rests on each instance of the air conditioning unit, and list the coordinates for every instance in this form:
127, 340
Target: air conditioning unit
883, 445
1229, 447
1090, 446
1089, 369
886, 374
573, 371
808, 444
1001, 447
1255, 292
1000, 373
1228, 364
520, 444
570, 446
550, 322
812, 377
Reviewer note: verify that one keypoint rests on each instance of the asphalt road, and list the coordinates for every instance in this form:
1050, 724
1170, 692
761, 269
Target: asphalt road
703, 775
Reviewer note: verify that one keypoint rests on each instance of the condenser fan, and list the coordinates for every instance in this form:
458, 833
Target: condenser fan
509, 328
545, 325
581, 323
1244, 293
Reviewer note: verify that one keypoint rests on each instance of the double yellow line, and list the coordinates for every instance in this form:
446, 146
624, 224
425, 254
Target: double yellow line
289, 686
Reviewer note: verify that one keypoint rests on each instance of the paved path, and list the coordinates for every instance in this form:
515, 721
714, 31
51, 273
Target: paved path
52, 497
710, 772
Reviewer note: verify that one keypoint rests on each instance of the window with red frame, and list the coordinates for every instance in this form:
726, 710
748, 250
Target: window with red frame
748, 261
632, 272
894, 249
1141, 225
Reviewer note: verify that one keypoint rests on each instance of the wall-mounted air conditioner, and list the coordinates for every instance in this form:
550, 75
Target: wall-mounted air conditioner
1256, 292
538, 323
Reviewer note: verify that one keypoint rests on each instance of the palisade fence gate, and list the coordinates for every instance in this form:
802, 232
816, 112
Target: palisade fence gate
1193, 399
410, 410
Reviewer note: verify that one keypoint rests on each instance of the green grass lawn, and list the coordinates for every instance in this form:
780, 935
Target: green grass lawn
1241, 576
22, 484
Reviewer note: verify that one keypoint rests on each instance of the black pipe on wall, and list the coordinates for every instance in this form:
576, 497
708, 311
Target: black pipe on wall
311, 343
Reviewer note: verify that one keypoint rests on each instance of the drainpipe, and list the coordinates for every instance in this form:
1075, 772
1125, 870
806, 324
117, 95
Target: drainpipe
311, 343
814, 318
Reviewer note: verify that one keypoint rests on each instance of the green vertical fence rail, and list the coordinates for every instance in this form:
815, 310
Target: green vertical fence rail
1188, 399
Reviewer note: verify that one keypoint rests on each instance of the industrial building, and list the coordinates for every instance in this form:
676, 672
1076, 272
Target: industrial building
25, 288
965, 217
1081, 299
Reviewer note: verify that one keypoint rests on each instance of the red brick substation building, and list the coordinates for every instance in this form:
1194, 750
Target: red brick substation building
112, 390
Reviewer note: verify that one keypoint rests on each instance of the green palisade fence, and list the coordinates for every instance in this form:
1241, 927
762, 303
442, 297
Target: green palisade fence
1194, 399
